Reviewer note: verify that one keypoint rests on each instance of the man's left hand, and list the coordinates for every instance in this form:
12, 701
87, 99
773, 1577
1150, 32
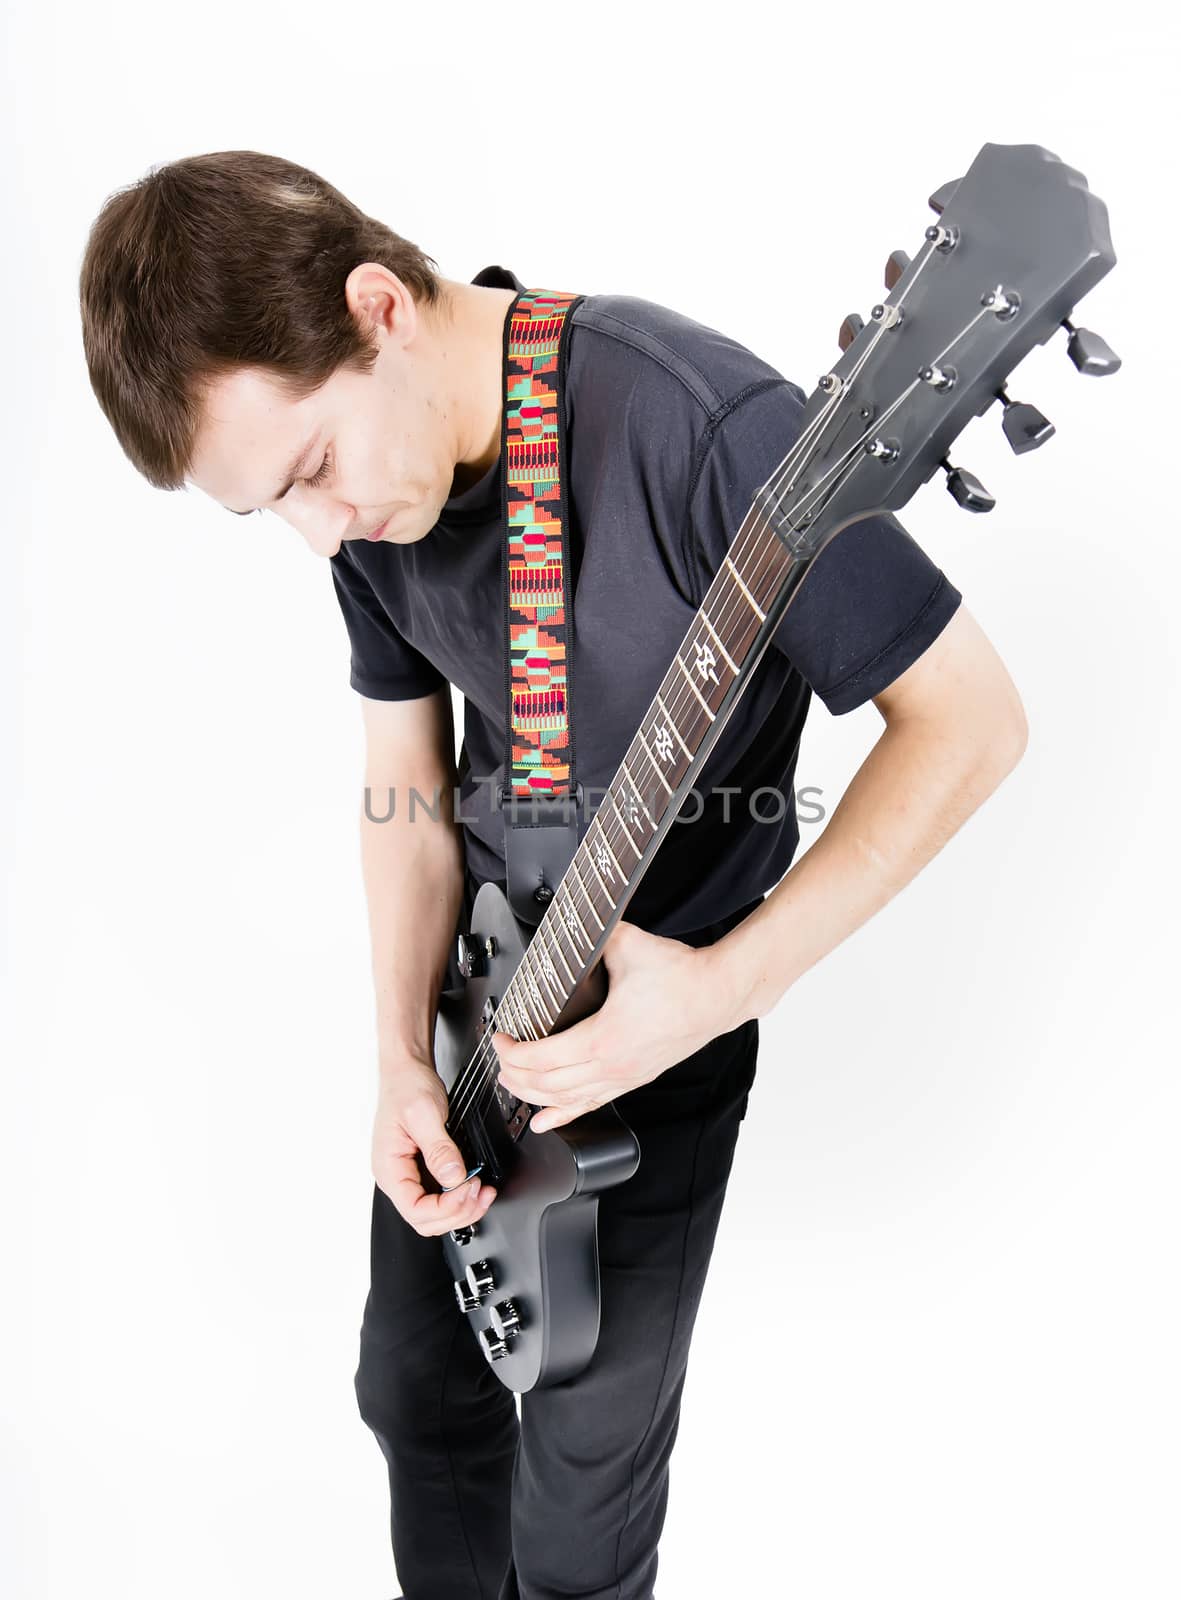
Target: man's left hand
665, 999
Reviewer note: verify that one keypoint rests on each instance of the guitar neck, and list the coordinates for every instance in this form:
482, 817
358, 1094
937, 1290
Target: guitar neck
1019, 240
724, 643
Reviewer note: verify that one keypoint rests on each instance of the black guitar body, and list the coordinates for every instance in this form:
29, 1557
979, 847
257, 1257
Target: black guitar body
527, 1274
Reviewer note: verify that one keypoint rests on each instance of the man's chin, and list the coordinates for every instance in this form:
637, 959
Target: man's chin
416, 523
406, 526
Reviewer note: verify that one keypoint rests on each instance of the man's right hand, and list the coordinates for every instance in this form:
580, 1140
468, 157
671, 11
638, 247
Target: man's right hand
411, 1113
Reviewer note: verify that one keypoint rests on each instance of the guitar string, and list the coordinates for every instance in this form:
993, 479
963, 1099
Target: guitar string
518, 1009
479, 1085
734, 603
485, 1053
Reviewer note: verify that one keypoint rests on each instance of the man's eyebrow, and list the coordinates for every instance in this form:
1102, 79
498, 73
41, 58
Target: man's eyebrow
294, 471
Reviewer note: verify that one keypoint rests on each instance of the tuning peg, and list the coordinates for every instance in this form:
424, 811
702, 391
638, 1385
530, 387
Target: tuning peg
941, 196
1025, 426
969, 492
850, 328
1089, 352
896, 265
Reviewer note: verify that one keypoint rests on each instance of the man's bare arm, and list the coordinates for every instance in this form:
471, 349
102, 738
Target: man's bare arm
412, 866
955, 728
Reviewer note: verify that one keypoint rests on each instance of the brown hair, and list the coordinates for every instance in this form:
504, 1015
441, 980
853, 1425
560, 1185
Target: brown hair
216, 262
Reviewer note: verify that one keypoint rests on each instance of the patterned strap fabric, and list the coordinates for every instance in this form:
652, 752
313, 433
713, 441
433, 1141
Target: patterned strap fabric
540, 757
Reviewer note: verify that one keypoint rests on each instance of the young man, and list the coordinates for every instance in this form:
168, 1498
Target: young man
250, 331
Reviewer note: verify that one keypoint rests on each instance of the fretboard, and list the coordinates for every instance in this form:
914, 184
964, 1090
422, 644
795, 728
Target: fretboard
711, 668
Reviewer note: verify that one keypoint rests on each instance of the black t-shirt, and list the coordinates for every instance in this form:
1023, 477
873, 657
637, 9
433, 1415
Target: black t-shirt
672, 427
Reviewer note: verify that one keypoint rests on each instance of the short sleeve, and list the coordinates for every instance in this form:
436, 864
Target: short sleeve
872, 601
383, 665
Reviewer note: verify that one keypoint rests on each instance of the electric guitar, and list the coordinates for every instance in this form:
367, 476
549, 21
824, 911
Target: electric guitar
1018, 241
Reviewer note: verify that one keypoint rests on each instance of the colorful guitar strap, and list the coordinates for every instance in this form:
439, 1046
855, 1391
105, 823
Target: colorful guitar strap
540, 799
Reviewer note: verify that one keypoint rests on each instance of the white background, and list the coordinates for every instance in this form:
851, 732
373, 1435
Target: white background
937, 1353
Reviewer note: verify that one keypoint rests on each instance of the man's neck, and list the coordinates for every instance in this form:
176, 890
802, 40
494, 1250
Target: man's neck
475, 352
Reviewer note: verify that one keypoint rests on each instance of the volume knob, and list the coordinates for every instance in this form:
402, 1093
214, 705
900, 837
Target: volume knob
480, 1280
467, 1300
493, 1346
506, 1319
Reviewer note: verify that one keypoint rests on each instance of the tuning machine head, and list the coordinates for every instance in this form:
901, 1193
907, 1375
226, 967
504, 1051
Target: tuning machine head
938, 201
849, 330
1092, 355
1024, 425
966, 489
896, 264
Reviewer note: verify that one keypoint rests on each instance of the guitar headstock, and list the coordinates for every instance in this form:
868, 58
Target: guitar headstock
1019, 240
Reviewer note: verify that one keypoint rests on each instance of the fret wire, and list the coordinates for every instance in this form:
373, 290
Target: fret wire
520, 992
754, 604
511, 1024
571, 910
585, 893
607, 846
652, 762
638, 795
503, 1017
543, 1022
704, 614
540, 964
687, 716
673, 765
574, 912
740, 622
705, 656
689, 680
599, 875
549, 967
626, 830
528, 1026
521, 1021
557, 944
545, 1000
553, 985
629, 809
773, 570
673, 720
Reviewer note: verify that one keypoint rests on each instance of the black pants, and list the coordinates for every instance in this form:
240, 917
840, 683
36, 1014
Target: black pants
570, 1500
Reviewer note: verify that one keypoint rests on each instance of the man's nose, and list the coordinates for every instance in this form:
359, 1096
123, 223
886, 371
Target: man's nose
324, 541
323, 528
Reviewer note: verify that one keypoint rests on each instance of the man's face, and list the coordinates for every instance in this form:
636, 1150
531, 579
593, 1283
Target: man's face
382, 444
